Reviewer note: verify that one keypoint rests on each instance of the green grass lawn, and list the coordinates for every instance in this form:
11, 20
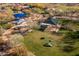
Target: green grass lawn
35, 44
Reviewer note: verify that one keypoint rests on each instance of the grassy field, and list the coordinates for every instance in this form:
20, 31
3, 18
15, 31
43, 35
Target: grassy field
35, 44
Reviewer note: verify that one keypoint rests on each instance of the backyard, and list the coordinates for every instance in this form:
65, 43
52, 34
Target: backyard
35, 44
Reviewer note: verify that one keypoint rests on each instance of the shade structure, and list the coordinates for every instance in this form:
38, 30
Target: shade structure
20, 15
51, 21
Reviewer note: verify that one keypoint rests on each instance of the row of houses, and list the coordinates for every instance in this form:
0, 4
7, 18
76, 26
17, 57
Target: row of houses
33, 19
64, 13
50, 25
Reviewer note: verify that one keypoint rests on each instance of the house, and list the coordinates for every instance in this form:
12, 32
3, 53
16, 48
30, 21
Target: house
50, 25
19, 18
21, 24
19, 21
19, 15
53, 28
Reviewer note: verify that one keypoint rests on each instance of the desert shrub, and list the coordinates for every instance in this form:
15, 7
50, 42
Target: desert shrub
69, 41
72, 35
1, 41
7, 26
42, 38
36, 27
1, 30
39, 5
64, 21
16, 9
16, 39
7, 15
18, 51
77, 55
68, 48
39, 10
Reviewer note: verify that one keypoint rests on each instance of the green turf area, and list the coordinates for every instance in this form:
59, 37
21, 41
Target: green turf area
35, 44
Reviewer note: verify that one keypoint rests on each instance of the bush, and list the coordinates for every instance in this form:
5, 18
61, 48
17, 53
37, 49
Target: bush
64, 21
39, 10
77, 55
39, 5
1, 41
18, 51
36, 27
1, 30
68, 48
7, 26
72, 35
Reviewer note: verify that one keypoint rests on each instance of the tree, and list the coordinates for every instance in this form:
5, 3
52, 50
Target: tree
68, 48
69, 40
72, 35
1, 30
39, 5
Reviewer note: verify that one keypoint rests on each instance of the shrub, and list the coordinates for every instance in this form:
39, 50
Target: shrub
39, 10
1, 30
18, 51
68, 48
77, 55
39, 5
7, 26
72, 35
1, 41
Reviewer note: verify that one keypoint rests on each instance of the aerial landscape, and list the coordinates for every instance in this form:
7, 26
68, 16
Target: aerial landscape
39, 29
